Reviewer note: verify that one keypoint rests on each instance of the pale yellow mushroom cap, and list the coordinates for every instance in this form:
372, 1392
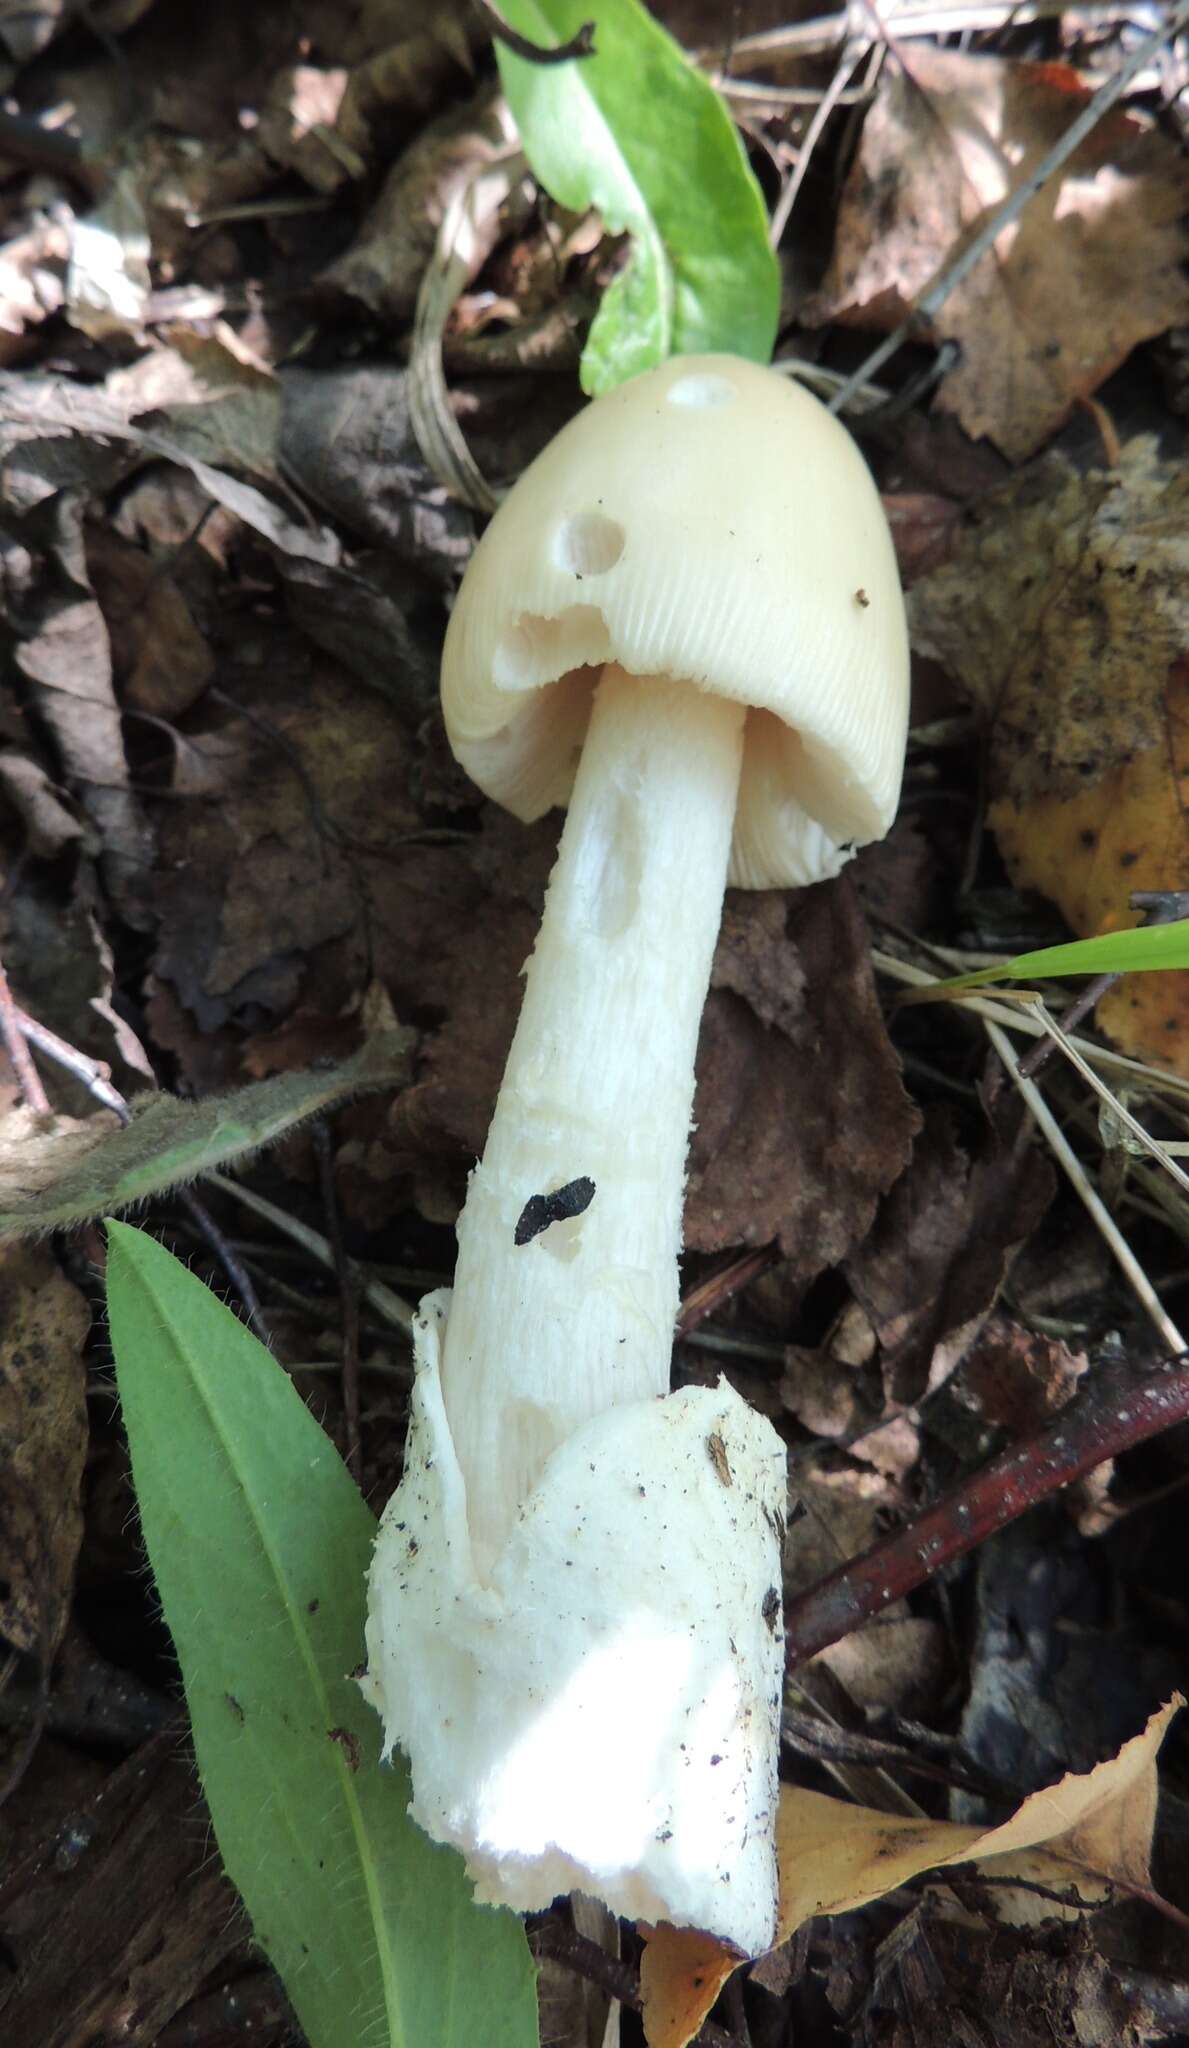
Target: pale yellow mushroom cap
708, 521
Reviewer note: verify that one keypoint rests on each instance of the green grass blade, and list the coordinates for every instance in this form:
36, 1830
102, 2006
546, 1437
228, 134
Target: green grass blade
259, 1542
638, 133
1137, 951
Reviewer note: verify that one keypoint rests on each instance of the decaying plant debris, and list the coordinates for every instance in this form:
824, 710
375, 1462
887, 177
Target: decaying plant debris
250, 900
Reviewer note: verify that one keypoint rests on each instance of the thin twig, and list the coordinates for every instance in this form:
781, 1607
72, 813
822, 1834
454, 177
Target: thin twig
825, 33
932, 300
1162, 1154
1111, 1416
28, 1078
580, 44
848, 63
231, 1263
1087, 999
94, 1075
348, 1295
1017, 1017
749, 91
1100, 1215
395, 1312
718, 1288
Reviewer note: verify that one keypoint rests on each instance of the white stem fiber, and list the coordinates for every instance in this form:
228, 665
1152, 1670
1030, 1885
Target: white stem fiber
598, 1088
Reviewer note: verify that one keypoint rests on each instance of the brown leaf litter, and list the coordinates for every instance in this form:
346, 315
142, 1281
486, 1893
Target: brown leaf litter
1093, 264
1064, 616
1085, 1835
44, 1322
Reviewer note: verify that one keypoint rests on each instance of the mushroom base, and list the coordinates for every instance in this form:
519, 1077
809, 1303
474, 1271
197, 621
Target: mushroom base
602, 1714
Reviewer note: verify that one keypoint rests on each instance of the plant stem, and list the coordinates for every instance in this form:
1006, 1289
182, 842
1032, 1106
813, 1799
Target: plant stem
550, 1328
1117, 1412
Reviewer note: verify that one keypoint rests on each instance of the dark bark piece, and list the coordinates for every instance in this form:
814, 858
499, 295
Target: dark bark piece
109, 1926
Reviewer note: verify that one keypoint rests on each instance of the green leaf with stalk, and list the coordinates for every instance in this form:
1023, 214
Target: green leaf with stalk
259, 1542
74, 1172
636, 132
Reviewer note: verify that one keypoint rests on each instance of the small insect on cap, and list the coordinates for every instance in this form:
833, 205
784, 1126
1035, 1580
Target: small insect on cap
710, 522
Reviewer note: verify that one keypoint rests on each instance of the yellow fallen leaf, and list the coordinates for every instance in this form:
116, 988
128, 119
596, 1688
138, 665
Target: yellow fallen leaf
833, 1857
1091, 1830
1066, 617
682, 1972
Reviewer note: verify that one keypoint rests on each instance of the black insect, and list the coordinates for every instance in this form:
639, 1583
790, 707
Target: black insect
541, 1210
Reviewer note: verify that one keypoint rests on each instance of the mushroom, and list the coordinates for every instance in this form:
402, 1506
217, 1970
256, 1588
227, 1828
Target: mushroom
685, 623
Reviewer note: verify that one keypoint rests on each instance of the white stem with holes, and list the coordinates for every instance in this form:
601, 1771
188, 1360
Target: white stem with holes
598, 1089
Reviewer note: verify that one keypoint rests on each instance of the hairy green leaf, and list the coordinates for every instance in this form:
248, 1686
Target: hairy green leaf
636, 132
1139, 950
259, 1543
72, 1172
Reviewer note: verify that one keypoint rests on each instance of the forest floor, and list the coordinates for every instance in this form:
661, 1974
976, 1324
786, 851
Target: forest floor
236, 498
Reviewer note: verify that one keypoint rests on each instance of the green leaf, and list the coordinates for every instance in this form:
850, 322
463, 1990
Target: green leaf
1135, 951
75, 1171
636, 132
259, 1543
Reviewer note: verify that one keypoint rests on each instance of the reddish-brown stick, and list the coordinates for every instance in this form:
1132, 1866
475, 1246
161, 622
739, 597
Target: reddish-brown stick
1117, 1412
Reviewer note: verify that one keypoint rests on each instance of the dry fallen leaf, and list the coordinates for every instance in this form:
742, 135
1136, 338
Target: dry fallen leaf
833, 1858
801, 1121
384, 266
43, 1440
1065, 615
160, 659
929, 1270
1091, 267
36, 1149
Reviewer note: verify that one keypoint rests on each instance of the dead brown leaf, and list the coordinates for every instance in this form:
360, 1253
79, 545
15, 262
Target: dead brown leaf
209, 394
1091, 267
298, 126
36, 1149
930, 1269
682, 1972
65, 655
44, 1322
801, 1119
1064, 615
160, 659
49, 822
305, 856
384, 266
347, 439
1015, 1378
833, 1858
1088, 1831
27, 26
32, 273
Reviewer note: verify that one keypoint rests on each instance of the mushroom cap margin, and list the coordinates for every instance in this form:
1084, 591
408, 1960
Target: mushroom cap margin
711, 521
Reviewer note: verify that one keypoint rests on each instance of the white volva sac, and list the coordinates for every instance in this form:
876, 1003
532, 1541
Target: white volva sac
684, 622
597, 1716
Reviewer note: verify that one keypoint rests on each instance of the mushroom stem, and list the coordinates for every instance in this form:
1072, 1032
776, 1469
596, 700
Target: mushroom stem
545, 1333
